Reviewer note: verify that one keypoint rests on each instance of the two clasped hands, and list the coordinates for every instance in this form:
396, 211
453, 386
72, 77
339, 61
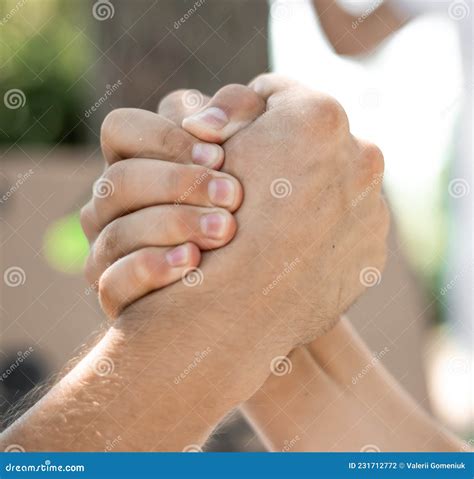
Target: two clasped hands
270, 171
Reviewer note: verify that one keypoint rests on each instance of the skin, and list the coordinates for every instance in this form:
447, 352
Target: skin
353, 35
311, 408
154, 340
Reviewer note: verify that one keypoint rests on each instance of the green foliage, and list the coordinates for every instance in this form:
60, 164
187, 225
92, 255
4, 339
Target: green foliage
44, 52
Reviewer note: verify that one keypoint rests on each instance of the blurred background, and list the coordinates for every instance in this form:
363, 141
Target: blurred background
64, 64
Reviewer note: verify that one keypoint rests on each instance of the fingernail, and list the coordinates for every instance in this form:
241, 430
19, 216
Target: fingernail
214, 225
213, 118
177, 256
206, 154
221, 192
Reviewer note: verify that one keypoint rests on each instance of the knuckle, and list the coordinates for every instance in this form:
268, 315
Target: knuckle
172, 99
373, 158
326, 111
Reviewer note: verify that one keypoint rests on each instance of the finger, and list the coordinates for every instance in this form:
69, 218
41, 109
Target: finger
269, 84
142, 272
182, 103
129, 186
229, 111
167, 225
131, 133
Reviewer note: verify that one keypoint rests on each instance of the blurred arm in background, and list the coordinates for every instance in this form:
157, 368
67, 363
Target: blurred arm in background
334, 395
357, 34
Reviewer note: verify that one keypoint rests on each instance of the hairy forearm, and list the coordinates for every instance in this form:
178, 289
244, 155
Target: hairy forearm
134, 390
357, 34
339, 398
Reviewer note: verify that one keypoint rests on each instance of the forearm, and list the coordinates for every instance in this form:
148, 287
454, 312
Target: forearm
134, 389
354, 35
340, 398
